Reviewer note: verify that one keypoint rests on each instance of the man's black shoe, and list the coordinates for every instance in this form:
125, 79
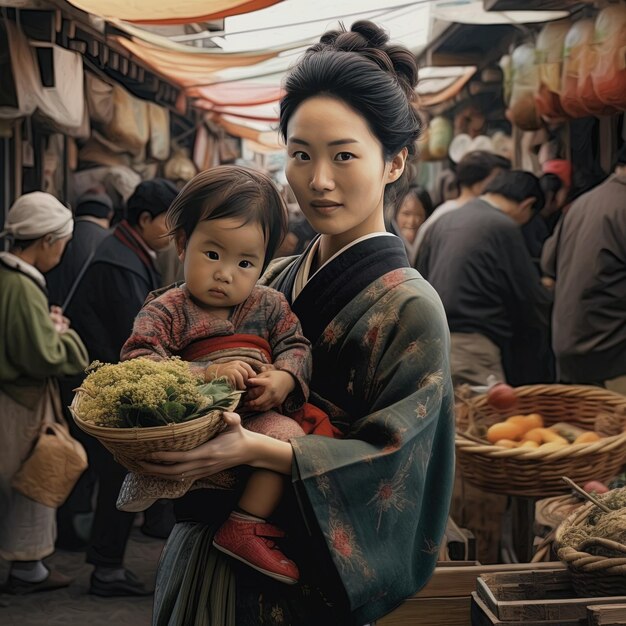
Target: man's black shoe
130, 586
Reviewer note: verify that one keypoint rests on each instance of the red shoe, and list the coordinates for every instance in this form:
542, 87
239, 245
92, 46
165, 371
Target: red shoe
249, 542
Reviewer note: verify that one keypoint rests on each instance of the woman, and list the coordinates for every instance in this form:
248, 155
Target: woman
368, 510
410, 213
36, 344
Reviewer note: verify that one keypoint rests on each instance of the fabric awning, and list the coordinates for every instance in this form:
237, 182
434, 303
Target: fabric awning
195, 67
237, 94
163, 12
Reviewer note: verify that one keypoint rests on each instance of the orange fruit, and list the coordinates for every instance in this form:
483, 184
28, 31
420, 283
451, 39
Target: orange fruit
588, 437
504, 430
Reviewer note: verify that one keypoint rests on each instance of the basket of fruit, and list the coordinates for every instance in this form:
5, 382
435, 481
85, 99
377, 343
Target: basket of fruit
141, 406
522, 441
592, 542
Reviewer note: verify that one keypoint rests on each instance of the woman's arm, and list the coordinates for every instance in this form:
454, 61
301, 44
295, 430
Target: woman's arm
235, 446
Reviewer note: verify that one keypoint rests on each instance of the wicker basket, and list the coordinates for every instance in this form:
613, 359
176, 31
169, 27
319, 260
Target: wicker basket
534, 472
130, 445
593, 575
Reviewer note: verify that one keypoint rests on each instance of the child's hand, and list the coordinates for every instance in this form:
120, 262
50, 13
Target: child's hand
274, 387
237, 372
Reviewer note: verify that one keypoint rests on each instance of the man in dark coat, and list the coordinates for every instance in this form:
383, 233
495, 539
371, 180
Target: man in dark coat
92, 220
587, 258
497, 309
110, 294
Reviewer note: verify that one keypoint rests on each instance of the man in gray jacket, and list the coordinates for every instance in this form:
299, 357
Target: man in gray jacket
586, 257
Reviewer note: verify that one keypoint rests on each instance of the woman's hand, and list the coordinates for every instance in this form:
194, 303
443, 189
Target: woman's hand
230, 448
59, 321
234, 446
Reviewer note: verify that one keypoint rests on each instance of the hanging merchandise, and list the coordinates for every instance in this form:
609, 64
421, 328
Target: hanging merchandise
180, 168
549, 58
578, 96
522, 111
609, 71
422, 145
62, 102
99, 99
159, 118
129, 127
507, 78
440, 136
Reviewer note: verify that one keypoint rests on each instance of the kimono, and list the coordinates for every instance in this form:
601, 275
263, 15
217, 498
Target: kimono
31, 351
369, 510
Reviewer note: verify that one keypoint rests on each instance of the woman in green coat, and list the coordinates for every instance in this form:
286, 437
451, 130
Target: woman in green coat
36, 344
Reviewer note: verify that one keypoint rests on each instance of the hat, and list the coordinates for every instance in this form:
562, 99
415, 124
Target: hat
154, 196
36, 214
94, 204
560, 168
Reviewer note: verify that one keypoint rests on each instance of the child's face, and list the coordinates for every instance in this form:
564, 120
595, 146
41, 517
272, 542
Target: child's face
411, 215
222, 261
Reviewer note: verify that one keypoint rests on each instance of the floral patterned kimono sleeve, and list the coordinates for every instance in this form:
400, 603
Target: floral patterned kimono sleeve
380, 496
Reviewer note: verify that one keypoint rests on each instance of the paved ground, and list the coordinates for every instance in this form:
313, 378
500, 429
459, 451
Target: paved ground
74, 606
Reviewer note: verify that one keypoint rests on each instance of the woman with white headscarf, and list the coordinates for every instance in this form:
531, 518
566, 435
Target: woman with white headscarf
36, 344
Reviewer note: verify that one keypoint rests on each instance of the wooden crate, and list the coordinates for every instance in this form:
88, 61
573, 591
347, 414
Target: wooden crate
446, 599
606, 615
541, 596
482, 616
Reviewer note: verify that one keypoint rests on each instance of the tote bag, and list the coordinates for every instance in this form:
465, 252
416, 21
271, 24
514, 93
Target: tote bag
57, 460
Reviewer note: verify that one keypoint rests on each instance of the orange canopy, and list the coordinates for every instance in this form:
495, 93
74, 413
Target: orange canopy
196, 67
163, 12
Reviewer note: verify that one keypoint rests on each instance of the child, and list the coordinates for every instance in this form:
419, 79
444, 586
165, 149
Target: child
227, 223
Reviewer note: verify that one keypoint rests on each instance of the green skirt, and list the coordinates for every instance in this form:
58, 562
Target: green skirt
197, 585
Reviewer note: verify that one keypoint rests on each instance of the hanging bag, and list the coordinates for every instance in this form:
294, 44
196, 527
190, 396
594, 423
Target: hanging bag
57, 460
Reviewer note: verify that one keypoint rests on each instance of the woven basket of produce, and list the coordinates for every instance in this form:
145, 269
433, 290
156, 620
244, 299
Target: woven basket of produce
522, 441
592, 542
142, 406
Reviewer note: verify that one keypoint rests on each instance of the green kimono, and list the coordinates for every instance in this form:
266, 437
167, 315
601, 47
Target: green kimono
374, 503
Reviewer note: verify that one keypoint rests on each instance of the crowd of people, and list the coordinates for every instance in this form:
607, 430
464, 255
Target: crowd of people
533, 288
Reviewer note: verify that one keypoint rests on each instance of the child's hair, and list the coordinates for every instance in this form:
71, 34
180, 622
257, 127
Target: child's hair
375, 78
231, 191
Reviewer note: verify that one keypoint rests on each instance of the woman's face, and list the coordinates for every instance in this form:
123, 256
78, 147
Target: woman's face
336, 169
51, 253
411, 215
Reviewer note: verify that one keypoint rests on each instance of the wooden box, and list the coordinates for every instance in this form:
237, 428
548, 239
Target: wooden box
532, 598
606, 615
446, 599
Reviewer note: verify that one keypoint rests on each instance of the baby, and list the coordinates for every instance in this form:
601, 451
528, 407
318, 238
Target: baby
227, 223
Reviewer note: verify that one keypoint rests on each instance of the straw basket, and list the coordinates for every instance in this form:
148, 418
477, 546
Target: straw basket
593, 575
533, 472
130, 445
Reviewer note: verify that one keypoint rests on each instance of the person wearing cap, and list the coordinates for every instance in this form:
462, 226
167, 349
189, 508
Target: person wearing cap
36, 344
109, 295
586, 257
92, 220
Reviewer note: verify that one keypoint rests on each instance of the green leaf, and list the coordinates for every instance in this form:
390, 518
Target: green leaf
175, 411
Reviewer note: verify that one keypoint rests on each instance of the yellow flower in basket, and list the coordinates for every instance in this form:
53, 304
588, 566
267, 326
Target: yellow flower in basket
142, 406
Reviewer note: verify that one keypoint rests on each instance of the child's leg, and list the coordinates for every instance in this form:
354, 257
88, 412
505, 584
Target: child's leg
262, 493
246, 535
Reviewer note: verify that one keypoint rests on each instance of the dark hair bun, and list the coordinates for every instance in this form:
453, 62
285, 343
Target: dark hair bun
371, 41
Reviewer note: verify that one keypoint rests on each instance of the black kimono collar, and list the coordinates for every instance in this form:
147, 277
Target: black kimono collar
336, 284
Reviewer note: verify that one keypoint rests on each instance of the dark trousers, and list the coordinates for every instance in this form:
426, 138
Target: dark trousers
111, 528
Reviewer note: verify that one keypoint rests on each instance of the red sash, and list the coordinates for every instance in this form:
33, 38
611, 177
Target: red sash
312, 420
